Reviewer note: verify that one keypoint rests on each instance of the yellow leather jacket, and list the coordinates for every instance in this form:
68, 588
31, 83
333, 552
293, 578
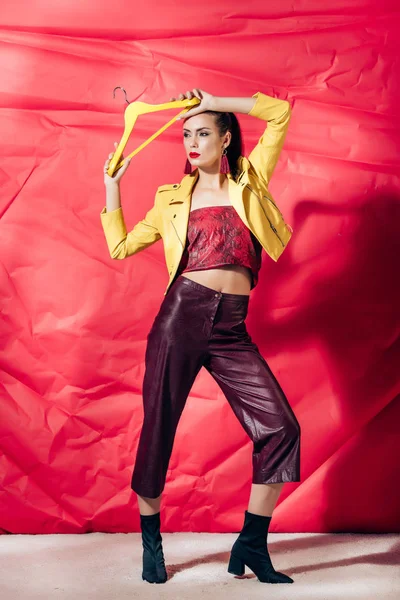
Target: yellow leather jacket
249, 194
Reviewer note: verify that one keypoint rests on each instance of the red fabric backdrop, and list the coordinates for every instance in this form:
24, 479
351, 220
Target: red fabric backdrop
74, 322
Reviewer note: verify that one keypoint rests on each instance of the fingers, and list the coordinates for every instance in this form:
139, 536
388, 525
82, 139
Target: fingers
107, 163
189, 95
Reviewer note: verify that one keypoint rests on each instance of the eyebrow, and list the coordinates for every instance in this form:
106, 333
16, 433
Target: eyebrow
200, 128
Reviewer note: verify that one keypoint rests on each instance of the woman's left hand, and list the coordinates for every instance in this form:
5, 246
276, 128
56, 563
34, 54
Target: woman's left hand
206, 102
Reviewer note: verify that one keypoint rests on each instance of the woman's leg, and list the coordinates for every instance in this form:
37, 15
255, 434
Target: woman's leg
263, 498
262, 408
176, 346
173, 360
149, 506
175, 349
260, 405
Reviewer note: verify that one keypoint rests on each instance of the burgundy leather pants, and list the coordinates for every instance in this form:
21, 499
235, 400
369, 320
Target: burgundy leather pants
195, 327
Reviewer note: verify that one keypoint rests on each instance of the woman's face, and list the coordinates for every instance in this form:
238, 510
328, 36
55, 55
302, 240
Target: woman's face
201, 136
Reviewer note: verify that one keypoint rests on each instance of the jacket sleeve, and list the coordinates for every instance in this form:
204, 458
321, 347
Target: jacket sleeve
122, 244
277, 113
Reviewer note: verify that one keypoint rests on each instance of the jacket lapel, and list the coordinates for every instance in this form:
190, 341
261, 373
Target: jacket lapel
183, 192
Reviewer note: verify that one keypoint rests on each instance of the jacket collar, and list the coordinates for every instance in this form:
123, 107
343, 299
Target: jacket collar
184, 189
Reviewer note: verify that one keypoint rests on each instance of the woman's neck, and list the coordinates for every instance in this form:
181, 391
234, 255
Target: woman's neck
211, 181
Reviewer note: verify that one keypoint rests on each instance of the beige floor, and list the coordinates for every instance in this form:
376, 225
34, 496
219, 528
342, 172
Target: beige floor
107, 566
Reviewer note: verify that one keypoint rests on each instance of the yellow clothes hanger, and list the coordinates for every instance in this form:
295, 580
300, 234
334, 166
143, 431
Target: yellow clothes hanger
131, 114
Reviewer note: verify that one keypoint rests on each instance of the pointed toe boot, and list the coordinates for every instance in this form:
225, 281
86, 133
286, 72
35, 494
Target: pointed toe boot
153, 557
250, 549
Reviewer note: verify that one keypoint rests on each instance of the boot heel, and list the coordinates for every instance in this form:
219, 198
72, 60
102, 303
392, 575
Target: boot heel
236, 565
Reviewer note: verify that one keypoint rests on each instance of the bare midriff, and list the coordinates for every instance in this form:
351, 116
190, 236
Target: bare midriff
229, 279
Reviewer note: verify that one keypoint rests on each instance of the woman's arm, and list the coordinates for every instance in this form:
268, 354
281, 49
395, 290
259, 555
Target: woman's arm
240, 105
120, 243
113, 196
277, 113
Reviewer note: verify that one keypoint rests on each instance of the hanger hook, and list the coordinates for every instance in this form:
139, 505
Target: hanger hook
120, 88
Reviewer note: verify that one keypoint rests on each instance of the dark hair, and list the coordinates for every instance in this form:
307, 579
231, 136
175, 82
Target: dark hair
227, 121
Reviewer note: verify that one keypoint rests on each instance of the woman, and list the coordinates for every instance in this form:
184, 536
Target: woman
213, 225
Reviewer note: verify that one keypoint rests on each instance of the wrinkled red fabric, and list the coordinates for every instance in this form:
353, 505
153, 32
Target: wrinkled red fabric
74, 322
217, 236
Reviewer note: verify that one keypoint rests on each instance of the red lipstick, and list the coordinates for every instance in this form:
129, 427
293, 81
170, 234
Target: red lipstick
194, 154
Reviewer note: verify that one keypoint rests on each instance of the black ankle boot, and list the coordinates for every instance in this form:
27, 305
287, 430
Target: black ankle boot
250, 548
153, 557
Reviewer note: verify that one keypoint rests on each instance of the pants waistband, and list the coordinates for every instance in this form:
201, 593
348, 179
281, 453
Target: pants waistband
203, 289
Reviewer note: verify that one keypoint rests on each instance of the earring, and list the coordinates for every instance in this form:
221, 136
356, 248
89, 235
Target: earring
188, 167
224, 163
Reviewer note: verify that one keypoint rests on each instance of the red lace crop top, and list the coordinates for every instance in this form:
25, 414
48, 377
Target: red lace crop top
217, 236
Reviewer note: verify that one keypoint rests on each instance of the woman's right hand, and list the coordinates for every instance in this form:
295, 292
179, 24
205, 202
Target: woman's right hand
118, 174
